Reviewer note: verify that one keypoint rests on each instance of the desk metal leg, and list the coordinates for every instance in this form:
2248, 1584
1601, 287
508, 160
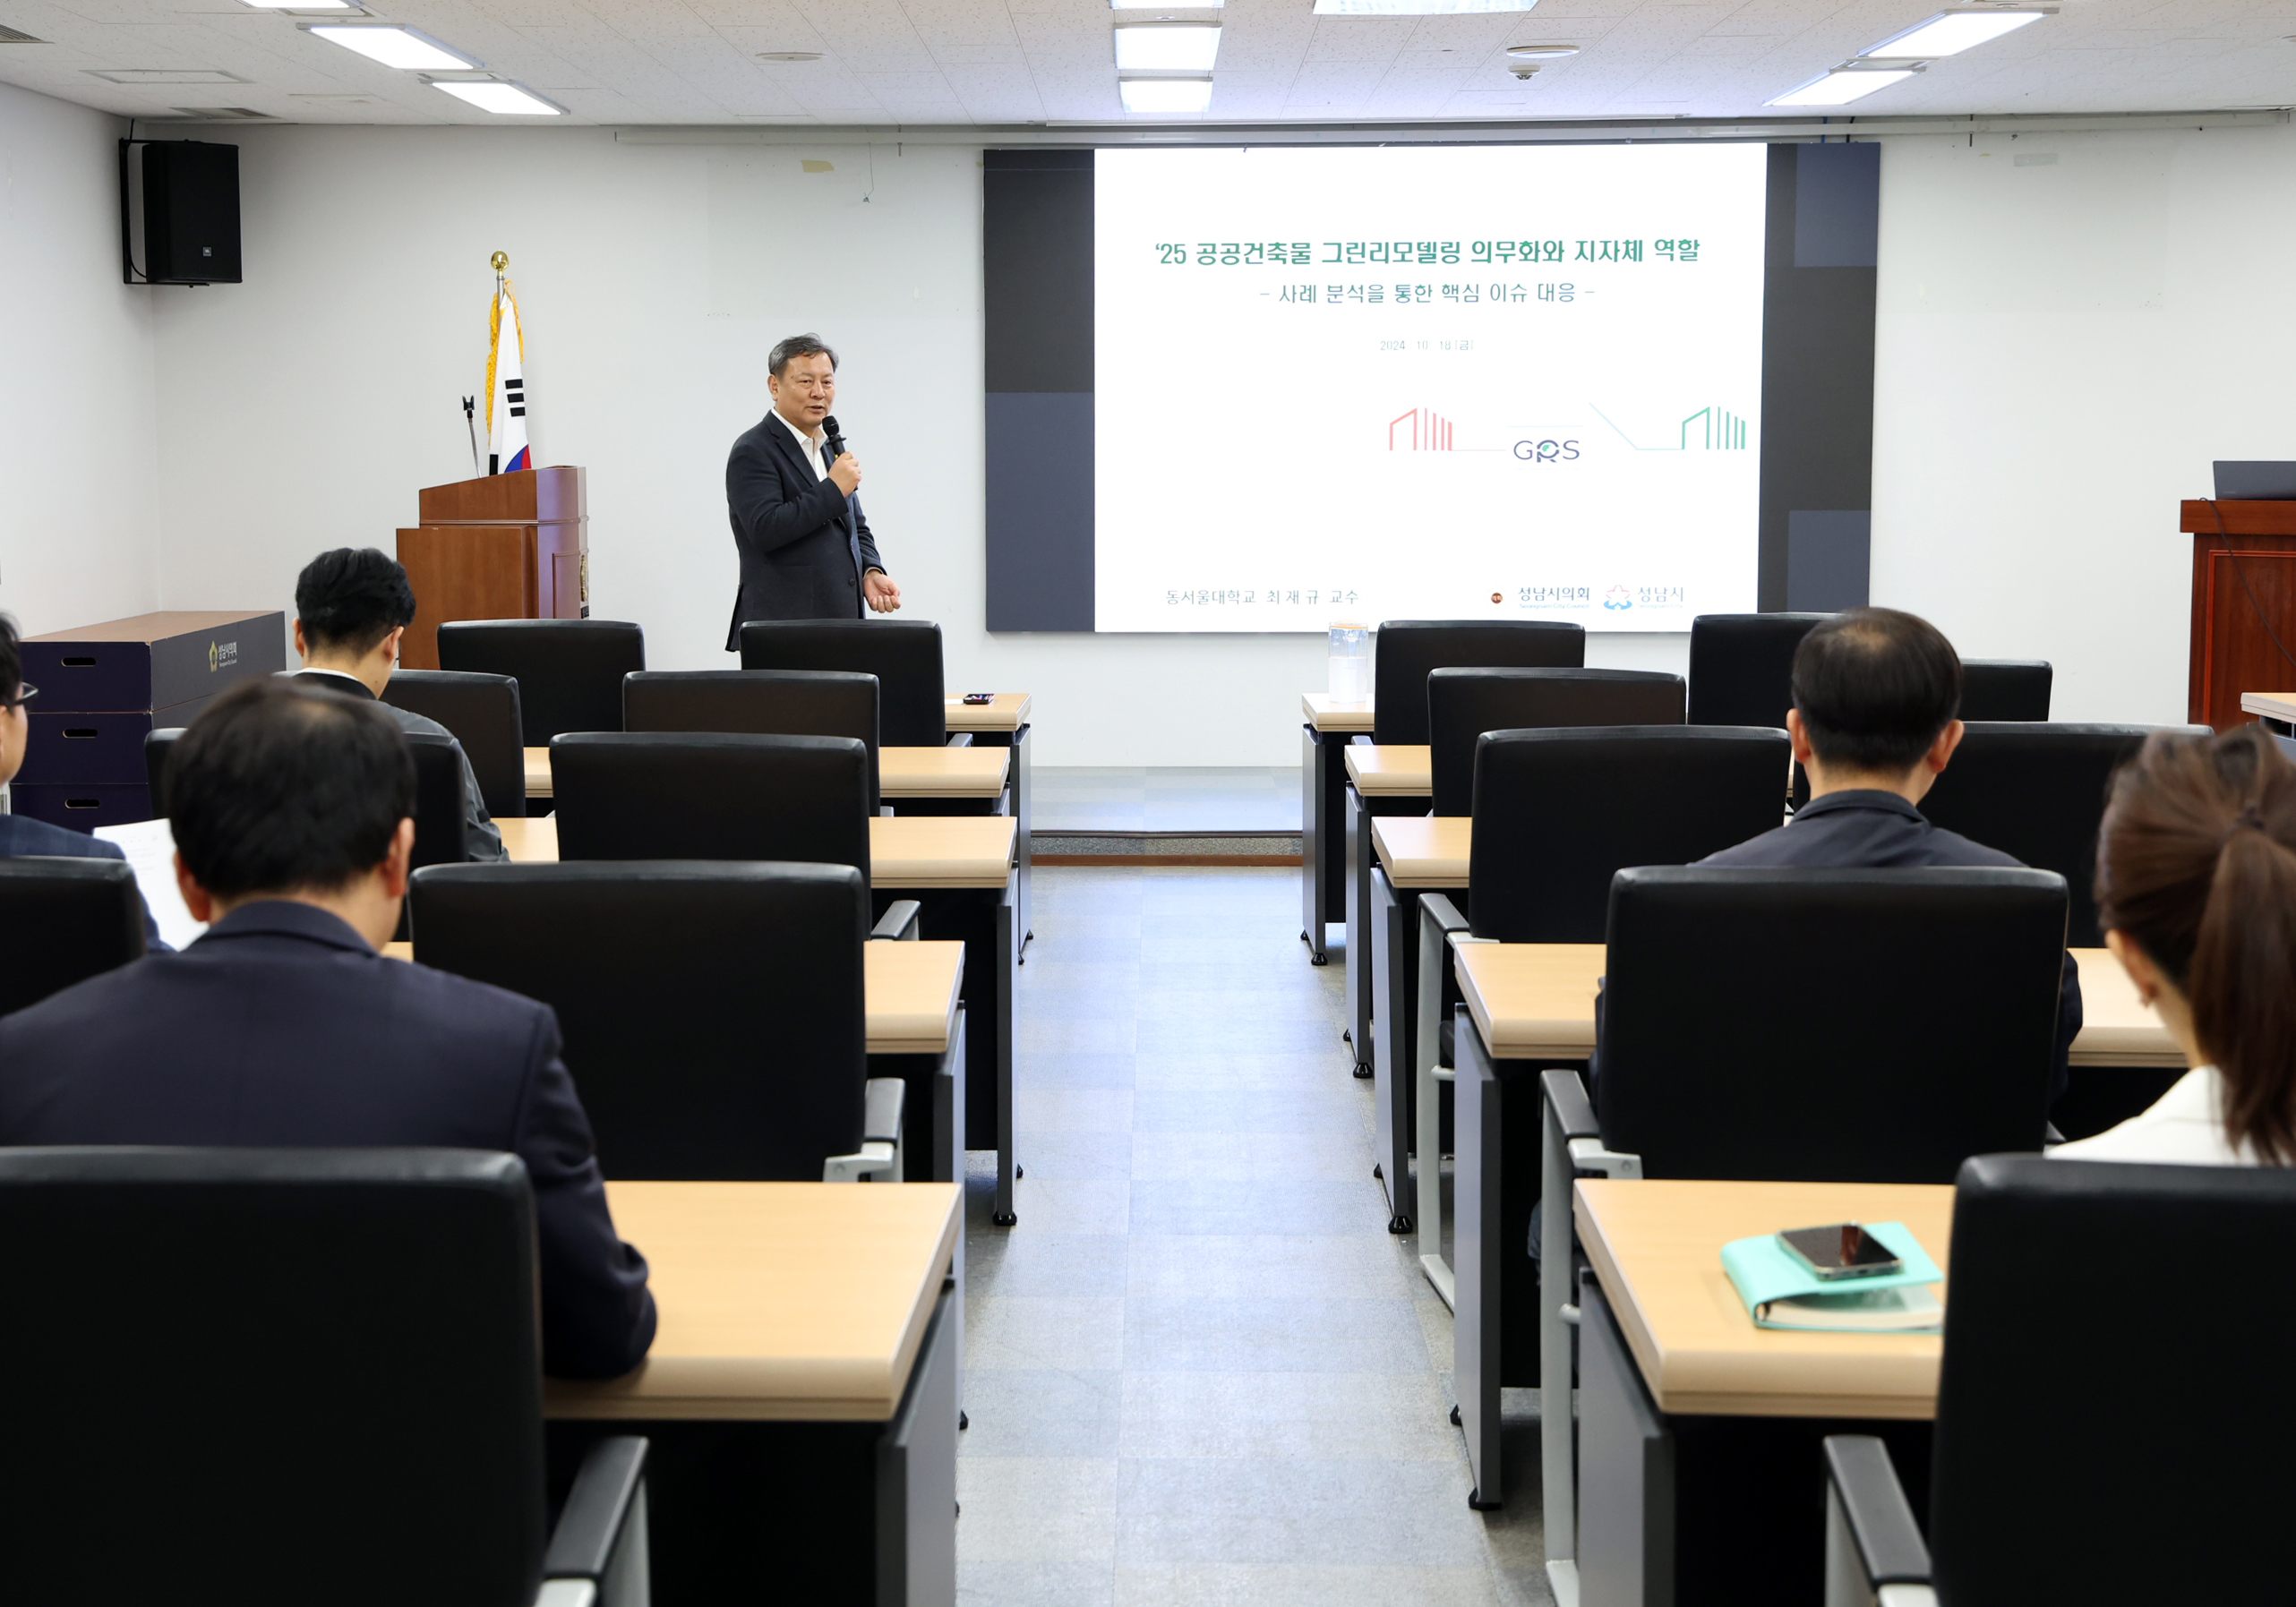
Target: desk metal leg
984, 921
1023, 813
1006, 944
1392, 916
1428, 1080
1359, 911
1314, 836
1557, 1428
1479, 1125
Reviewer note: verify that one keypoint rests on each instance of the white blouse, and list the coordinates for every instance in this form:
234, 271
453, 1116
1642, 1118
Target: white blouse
2182, 1128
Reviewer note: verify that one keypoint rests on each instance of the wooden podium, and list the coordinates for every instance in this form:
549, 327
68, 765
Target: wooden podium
504, 547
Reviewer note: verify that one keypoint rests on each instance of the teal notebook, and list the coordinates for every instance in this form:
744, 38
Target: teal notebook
1780, 1292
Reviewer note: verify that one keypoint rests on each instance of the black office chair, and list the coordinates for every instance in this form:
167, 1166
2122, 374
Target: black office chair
156, 746
699, 795
2112, 1414
441, 817
904, 655
784, 702
1741, 667
568, 671
2037, 791
1407, 650
2005, 688
482, 712
713, 1013
271, 1377
1462, 703
63, 921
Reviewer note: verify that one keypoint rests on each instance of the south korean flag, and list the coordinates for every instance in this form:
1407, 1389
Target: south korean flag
505, 390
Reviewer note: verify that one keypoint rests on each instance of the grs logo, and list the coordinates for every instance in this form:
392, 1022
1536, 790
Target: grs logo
1547, 451
221, 655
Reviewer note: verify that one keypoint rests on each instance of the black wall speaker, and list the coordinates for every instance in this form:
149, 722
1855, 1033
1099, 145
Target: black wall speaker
191, 213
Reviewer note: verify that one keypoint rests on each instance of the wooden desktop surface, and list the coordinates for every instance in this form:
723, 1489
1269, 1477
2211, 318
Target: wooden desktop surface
919, 851
778, 1301
1537, 1001
155, 626
1657, 1247
1423, 853
1398, 770
1009, 713
2270, 705
901, 772
910, 989
1326, 712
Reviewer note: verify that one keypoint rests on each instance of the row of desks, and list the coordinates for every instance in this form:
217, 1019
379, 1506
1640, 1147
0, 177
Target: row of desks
911, 772
906, 852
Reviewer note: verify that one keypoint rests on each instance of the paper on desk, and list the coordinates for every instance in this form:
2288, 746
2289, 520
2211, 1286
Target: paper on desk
150, 846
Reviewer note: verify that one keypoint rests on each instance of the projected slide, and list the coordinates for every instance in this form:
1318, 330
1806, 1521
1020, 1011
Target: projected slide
1433, 383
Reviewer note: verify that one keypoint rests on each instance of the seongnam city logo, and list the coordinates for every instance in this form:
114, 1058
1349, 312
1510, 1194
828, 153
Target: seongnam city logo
1618, 599
1424, 429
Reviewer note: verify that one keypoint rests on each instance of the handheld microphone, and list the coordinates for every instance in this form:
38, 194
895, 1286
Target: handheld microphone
836, 439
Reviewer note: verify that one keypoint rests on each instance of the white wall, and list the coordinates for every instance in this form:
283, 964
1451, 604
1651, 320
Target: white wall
2072, 328
79, 504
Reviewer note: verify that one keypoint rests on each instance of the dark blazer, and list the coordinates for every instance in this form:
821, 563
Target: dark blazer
1872, 830
282, 1027
796, 535
23, 838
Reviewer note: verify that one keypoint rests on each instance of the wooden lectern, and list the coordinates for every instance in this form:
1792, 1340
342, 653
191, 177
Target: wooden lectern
506, 547
2243, 594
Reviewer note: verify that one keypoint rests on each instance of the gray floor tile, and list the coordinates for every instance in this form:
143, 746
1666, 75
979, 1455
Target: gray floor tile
1035, 1035
1202, 1035
1044, 1263
1034, 1583
1238, 1266
1209, 1107
1319, 1514
1259, 1206
1070, 1205
1029, 1412
1038, 1332
1036, 1510
1071, 1110
1278, 1156
1302, 1585
1309, 1335
1073, 1156
1072, 1069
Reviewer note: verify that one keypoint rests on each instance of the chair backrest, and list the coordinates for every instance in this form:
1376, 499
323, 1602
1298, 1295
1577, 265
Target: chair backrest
782, 702
1406, 650
1463, 703
568, 671
288, 1374
156, 746
2037, 791
904, 655
442, 818
713, 1013
1875, 1026
482, 712
63, 921
2005, 688
2116, 1343
711, 795
1557, 812
1741, 667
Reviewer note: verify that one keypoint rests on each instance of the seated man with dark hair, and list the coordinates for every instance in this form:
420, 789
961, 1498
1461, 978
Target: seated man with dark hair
283, 1025
1877, 699
22, 837
352, 606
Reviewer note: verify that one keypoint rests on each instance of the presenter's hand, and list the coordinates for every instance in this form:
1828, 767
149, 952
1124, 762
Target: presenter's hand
876, 586
846, 473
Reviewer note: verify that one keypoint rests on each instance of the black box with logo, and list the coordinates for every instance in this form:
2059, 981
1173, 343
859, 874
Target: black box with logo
103, 687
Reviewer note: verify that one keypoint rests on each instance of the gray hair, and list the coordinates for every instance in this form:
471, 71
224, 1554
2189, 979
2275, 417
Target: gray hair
799, 346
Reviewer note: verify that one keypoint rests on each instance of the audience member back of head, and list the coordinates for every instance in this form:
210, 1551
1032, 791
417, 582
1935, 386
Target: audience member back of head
2196, 882
284, 1025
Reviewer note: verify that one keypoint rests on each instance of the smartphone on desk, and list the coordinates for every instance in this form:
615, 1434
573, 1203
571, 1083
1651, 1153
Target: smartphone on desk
1840, 1249
979, 697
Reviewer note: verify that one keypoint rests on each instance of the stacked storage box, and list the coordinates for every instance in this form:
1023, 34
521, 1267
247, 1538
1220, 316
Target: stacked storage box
103, 687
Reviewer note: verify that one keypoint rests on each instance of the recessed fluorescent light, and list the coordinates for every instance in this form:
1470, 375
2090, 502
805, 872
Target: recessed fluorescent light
1166, 5
1948, 33
1166, 47
1540, 52
1416, 8
1165, 94
161, 75
301, 5
1843, 85
502, 99
393, 46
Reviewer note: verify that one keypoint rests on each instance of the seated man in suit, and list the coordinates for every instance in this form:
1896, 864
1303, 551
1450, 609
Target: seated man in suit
283, 1025
1874, 723
352, 606
20, 836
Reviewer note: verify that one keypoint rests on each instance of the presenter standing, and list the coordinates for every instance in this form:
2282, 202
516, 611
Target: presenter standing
806, 549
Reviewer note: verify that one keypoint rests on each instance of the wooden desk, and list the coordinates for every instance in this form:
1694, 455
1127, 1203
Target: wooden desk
807, 1367
1004, 723
1009, 713
1657, 1247
901, 772
1536, 1001
1394, 771
905, 852
1329, 714
1424, 853
2270, 705
1324, 736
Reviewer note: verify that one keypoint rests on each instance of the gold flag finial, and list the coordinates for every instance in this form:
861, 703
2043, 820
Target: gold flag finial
499, 260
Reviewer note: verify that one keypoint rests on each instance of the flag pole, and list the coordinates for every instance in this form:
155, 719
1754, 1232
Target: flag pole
470, 422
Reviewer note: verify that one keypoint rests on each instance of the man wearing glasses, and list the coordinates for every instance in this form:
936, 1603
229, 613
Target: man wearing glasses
806, 549
22, 837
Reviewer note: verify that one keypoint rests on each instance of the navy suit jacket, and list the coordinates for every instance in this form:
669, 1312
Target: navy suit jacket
281, 1026
23, 838
804, 544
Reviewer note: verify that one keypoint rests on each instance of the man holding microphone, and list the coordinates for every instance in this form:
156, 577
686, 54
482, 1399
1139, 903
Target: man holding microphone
806, 549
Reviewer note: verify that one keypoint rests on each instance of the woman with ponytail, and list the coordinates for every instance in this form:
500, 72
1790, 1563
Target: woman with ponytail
2196, 880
